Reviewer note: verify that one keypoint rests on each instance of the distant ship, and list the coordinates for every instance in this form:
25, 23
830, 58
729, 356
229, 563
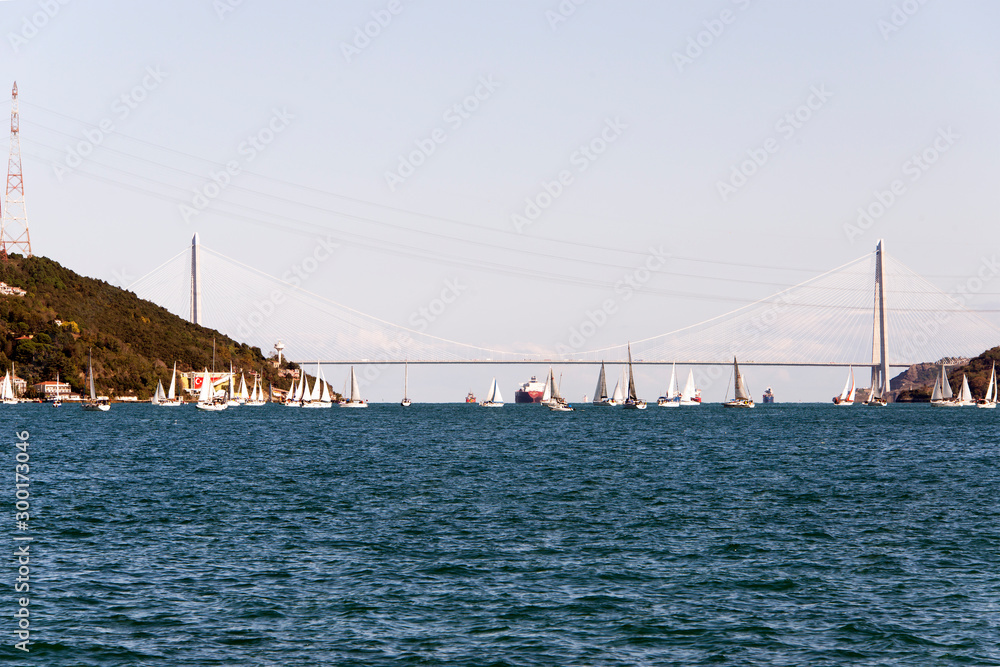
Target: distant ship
768, 395
530, 392
470, 397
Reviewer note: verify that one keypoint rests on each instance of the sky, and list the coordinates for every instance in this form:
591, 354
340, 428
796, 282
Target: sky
535, 153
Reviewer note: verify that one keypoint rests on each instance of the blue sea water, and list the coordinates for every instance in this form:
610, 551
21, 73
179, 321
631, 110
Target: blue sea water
454, 535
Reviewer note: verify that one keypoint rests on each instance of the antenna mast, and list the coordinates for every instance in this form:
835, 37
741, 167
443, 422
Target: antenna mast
14, 223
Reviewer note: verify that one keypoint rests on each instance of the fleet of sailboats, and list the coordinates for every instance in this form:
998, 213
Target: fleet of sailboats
207, 400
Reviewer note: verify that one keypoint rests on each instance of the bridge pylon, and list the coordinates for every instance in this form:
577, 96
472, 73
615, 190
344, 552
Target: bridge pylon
880, 338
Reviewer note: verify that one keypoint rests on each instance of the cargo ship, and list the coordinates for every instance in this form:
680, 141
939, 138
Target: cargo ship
530, 392
768, 395
470, 397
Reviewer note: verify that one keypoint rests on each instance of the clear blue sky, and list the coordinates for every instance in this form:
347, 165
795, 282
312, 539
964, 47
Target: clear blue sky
332, 113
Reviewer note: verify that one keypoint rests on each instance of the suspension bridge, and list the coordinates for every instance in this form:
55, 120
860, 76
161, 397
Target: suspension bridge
872, 311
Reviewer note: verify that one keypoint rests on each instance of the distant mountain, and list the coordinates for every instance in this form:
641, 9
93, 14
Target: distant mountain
135, 342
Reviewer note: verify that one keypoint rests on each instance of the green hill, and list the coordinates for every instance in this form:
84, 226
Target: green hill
977, 370
134, 342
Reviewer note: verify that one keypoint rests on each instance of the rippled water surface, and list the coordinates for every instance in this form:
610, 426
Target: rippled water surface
450, 534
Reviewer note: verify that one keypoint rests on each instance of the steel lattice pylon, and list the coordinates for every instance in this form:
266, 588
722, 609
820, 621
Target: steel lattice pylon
14, 223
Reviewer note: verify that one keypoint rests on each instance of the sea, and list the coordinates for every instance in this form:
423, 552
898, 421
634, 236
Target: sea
791, 534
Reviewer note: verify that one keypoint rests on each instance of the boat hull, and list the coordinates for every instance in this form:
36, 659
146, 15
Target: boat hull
354, 404
522, 396
490, 404
739, 404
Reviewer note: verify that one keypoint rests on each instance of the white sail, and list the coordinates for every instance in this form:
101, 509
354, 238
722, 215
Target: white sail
172, 392
741, 385
355, 389
850, 394
158, 394
206, 394
494, 395
303, 388
946, 391
7, 388
253, 392
937, 394
687, 394
601, 393
672, 387
244, 394
290, 396
966, 395
325, 395
90, 371
991, 388
848, 386
317, 390
617, 395
547, 392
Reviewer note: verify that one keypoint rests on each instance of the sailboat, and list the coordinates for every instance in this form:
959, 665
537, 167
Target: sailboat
158, 393
672, 398
320, 395
558, 404
355, 401
7, 391
256, 394
633, 402
618, 395
244, 395
206, 397
942, 395
965, 395
601, 393
232, 400
290, 396
547, 392
406, 376
847, 396
172, 400
57, 398
875, 397
94, 404
741, 398
690, 395
493, 399
990, 401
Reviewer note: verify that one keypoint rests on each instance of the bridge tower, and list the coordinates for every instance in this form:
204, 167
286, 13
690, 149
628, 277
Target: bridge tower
195, 280
880, 338
14, 223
